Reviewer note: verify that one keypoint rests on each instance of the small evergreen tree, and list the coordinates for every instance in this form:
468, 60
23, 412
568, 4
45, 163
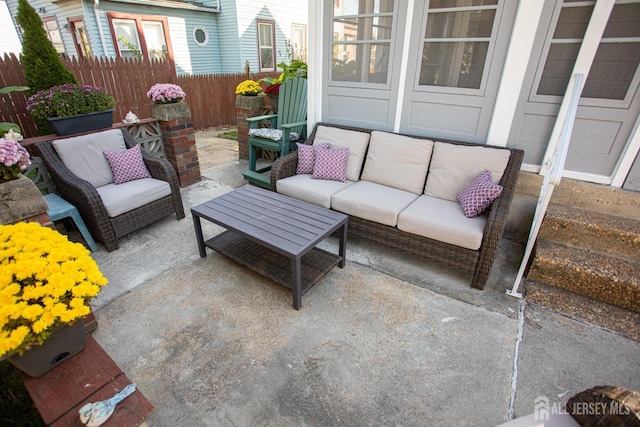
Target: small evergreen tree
42, 65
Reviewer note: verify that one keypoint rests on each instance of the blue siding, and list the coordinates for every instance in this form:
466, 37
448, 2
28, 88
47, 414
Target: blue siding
232, 31
228, 37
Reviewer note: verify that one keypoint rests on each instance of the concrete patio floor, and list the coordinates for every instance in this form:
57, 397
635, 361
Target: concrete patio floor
388, 340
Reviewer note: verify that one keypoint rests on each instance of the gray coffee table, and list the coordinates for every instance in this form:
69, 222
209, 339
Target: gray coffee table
274, 235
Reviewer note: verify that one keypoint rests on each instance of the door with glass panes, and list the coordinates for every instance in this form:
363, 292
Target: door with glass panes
610, 104
455, 67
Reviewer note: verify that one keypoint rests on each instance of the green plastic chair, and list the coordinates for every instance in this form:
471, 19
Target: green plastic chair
288, 126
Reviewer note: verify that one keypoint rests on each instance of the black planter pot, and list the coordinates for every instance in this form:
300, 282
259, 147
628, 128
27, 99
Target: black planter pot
82, 122
62, 345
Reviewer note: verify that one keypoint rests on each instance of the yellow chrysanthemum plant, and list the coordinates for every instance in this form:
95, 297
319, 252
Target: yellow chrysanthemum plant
249, 88
46, 281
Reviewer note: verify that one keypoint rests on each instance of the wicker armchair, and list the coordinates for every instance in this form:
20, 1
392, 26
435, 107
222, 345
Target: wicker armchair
85, 197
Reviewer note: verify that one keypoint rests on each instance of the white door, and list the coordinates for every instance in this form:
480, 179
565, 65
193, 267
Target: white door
455, 67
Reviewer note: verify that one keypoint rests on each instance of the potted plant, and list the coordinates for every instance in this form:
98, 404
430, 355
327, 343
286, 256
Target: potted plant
166, 93
73, 108
46, 283
14, 158
168, 100
248, 88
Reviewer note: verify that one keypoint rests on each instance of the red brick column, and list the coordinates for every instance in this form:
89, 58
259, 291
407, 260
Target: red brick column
246, 106
179, 140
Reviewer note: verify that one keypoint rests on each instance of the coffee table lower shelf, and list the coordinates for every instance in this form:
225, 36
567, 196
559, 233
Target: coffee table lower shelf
273, 265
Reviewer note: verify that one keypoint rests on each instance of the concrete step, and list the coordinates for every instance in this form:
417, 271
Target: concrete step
604, 278
576, 306
585, 195
595, 231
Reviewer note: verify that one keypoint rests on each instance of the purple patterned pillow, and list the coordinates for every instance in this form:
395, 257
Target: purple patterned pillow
307, 157
478, 195
127, 165
331, 164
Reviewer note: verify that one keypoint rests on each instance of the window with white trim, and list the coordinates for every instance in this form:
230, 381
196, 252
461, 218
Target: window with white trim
299, 42
140, 35
457, 42
53, 32
266, 45
361, 44
616, 62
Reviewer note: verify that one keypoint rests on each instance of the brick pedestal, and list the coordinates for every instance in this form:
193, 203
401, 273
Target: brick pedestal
246, 106
179, 140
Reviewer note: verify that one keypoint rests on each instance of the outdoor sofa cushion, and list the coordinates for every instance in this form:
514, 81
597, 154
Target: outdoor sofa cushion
127, 165
397, 161
477, 196
331, 163
273, 134
373, 202
121, 198
83, 155
307, 157
314, 191
442, 220
356, 142
453, 167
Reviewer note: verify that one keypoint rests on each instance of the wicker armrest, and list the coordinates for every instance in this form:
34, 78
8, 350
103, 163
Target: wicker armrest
162, 169
497, 219
283, 167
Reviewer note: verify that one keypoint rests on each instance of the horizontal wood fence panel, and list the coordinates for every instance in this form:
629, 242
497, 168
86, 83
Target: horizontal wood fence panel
211, 97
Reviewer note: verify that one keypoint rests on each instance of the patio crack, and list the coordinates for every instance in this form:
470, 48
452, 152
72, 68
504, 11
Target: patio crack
516, 352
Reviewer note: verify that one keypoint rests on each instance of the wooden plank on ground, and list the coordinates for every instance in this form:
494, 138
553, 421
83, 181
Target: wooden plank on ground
89, 376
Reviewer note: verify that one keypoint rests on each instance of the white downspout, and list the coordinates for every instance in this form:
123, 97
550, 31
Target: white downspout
96, 5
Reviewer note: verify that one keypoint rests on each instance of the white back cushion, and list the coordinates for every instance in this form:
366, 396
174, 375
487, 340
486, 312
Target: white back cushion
356, 142
84, 157
453, 167
397, 161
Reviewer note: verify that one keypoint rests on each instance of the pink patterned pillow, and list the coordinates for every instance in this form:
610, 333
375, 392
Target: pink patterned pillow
307, 157
331, 164
478, 195
127, 165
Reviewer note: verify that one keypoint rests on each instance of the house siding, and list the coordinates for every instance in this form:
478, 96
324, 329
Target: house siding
283, 13
230, 54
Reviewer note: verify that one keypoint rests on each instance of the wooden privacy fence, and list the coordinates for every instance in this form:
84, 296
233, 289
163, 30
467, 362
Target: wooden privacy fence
211, 97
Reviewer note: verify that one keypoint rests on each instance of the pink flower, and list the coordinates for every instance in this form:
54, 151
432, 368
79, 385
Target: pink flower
13, 157
166, 93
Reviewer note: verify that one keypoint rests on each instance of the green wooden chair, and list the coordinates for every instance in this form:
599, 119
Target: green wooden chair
288, 126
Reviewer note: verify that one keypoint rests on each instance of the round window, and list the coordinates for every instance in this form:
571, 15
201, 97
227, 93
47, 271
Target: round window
200, 35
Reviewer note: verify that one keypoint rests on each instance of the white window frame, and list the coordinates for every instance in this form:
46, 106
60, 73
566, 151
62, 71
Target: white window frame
595, 102
342, 43
271, 24
487, 65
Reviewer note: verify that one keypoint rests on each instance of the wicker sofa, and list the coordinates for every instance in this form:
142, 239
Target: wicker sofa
129, 206
388, 186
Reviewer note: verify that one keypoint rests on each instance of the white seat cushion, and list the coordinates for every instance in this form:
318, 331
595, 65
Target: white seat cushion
315, 191
273, 134
121, 198
373, 202
356, 142
397, 161
453, 167
83, 155
442, 220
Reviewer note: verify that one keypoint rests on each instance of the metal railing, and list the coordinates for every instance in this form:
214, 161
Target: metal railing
552, 167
